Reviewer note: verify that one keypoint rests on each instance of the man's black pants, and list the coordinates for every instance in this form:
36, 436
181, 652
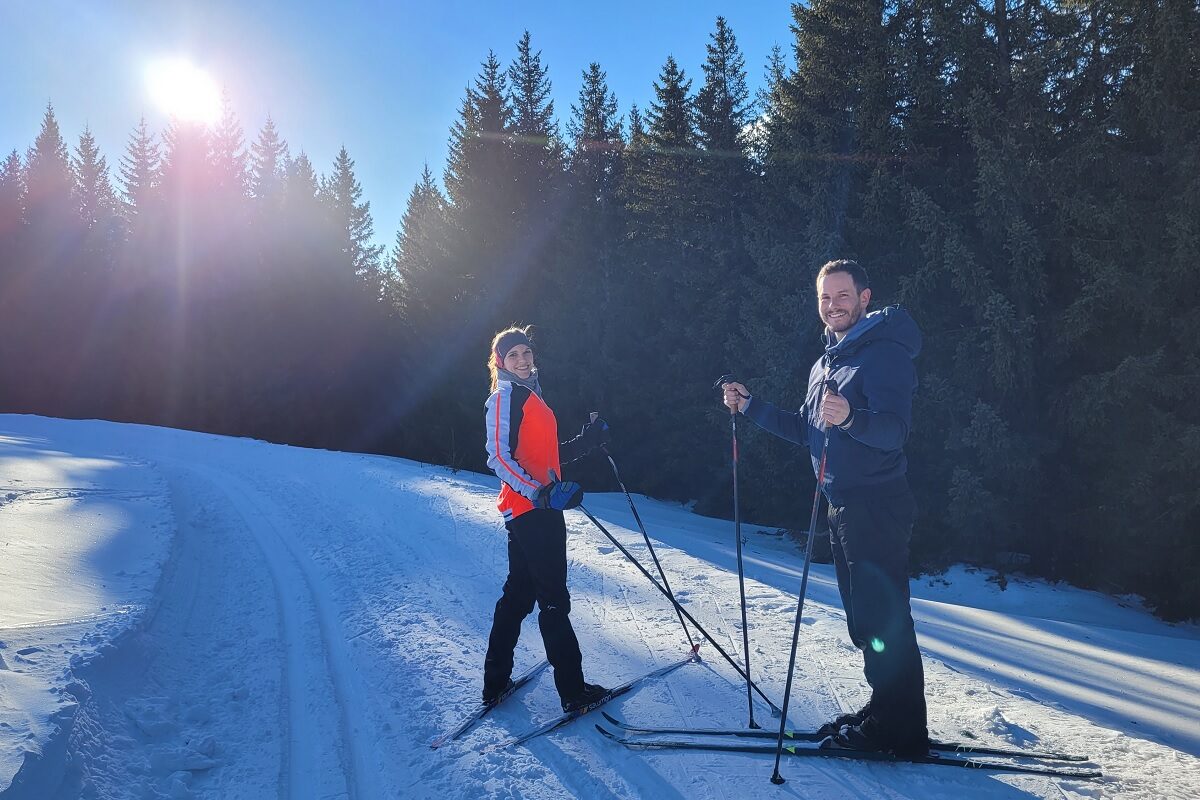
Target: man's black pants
537, 572
869, 536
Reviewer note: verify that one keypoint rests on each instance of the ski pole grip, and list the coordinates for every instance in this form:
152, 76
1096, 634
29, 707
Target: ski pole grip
595, 415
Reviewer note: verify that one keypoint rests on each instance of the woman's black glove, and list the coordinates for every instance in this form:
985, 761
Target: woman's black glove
560, 495
595, 434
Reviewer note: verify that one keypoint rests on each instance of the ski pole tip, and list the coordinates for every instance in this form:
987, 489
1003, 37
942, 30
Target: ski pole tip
778, 779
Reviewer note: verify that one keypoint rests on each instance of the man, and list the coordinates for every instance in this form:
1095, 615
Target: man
861, 392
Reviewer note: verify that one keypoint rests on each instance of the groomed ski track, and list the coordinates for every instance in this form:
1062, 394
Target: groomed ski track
322, 617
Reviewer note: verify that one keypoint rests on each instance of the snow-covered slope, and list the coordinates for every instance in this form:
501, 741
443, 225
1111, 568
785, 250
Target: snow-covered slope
185, 615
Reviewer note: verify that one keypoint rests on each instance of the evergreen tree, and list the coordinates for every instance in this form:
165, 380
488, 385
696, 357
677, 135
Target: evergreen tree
351, 215
1127, 200
268, 165
663, 174
593, 228
659, 253
536, 144
533, 121
479, 162
12, 195
302, 187
12, 222
483, 261
48, 181
228, 156
139, 173
637, 126
595, 133
420, 288
97, 204
93, 189
672, 118
723, 104
539, 208
770, 96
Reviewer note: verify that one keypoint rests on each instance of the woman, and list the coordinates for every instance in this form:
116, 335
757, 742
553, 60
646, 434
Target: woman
523, 450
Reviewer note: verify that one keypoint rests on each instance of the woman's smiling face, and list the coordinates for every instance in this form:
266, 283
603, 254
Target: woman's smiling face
519, 361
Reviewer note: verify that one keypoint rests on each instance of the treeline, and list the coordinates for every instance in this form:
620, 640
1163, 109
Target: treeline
1025, 178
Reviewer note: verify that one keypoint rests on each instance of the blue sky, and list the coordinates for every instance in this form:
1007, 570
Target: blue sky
383, 78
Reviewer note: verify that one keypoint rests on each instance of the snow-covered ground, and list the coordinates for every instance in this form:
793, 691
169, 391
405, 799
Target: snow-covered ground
186, 615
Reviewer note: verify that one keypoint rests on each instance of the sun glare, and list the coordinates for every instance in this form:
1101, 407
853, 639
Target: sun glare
184, 91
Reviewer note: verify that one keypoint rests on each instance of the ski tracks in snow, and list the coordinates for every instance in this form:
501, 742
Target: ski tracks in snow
325, 706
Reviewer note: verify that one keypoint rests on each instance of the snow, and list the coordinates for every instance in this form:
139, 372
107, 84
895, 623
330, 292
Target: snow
193, 616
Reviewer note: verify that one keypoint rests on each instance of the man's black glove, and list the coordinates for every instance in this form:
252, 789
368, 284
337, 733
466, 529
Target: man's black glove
559, 495
595, 434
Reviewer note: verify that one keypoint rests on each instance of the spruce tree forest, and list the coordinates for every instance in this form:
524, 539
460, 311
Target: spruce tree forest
1023, 177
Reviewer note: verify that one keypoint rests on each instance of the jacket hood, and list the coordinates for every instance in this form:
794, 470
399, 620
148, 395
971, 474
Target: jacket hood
892, 323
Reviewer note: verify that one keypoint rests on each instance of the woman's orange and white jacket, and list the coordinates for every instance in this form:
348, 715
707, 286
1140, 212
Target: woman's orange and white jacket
522, 446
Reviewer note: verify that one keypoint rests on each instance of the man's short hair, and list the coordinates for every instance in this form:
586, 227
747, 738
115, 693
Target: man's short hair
851, 268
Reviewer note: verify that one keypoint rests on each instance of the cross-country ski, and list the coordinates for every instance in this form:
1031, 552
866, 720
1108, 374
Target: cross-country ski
574, 714
485, 708
938, 759
817, 736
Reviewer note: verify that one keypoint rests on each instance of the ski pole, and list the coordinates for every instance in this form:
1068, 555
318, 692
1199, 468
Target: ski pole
678, 607
776, 778
637, 517
737, 535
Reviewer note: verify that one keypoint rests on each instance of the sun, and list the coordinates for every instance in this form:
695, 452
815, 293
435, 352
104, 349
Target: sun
184, 91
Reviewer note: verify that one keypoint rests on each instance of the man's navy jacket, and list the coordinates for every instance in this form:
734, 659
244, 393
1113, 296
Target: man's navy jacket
873, 369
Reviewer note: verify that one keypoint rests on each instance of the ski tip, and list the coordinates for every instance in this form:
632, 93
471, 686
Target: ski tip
606, 732
610, 718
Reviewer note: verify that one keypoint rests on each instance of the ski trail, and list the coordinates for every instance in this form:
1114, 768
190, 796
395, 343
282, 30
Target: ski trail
162, 714
325, 756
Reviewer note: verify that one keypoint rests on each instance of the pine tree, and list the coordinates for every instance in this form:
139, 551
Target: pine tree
595, 133
658, 253
420, 287
537, 145
93, 189
98, 205
672, 117
227, 155
12, 220
485, 260
637, 126
48, 180
533, 119
301, 184
351, 215
12, 195
717, 275
723, 104
536, 193
1126, 196
591, 235
139, 173
771, 96
268, 165
663, 175
480, 161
